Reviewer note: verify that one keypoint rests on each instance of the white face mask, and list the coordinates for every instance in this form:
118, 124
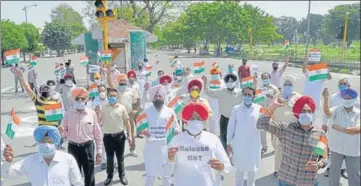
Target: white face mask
79, 105
349, 102
179, 78
52, 89
230, 85
69, 83
194, 126
97, 81
102, 95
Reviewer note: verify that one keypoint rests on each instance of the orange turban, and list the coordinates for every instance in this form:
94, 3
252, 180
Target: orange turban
122, 77
132, 73
97, 75
300, 103
215, 70
79, 91
192, 107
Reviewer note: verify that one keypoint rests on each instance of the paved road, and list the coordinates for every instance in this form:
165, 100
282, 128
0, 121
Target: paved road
134, 166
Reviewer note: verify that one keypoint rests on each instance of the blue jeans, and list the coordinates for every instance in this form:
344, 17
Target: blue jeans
282, 183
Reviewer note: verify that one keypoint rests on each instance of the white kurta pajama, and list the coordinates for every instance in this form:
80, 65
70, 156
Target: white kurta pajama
156, 150
190, 170
245, 138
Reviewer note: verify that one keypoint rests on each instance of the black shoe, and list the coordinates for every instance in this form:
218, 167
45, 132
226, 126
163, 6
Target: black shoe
344, 173
327, 172
275, 174
139, 136
108, 181
264, 150
123, 180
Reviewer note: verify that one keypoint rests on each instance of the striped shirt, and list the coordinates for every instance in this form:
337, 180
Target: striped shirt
39, 105
297, 150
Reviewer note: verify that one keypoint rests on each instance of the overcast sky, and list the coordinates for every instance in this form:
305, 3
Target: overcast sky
40, 14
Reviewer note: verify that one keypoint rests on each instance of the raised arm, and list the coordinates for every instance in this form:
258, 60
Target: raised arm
26, 86
304, 67
109, 78
285, 65
274, 127
326, 108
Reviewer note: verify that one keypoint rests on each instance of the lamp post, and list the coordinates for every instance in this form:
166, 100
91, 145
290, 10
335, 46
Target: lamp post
308, 26
25, 10
344, 36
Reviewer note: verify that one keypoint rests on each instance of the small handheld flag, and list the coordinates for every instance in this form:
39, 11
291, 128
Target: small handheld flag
260, 95
148, 70
12, 56
93, 89
13, 125
176, 104
198, 67
106, 56
247, 82
317, 72
142, 123
286, 44
34, 60
84, 61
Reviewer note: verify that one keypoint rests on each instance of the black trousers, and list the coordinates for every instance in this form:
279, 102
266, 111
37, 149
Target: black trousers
84, 156
223, 130
115, 143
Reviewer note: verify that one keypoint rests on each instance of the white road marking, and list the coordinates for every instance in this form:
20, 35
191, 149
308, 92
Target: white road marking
6, 89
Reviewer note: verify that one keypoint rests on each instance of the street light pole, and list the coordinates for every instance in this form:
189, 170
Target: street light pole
308, 26
344, 36
26, 12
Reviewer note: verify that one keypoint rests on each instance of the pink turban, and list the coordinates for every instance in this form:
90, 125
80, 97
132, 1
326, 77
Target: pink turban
79, 91
300, 103
157, 90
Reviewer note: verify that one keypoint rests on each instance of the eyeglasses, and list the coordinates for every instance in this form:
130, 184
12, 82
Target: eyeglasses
249, 94
80, 99
307, 111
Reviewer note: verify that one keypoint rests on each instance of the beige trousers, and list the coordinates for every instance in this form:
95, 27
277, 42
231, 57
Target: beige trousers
277, 145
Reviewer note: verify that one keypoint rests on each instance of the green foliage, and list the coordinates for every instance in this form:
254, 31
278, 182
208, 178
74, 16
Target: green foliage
12, 36
56, 36
32, 36
286, 26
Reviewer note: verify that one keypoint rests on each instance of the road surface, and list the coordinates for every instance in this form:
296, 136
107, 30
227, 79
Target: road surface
134, 165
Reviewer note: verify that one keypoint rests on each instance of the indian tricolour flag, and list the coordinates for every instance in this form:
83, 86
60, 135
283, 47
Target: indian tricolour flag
148, 70
247, 82
93, 89
260, 95
57, 68
34, 60
142, 123
215, 84
317, 72
321, 147
198, 67
214, 65
172, 61
13, 125
107, 55
53, 112
84, 60
12, 56
286, 44
176, 104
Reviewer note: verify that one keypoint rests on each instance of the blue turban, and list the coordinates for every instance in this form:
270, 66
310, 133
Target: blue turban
51, 131
349, 91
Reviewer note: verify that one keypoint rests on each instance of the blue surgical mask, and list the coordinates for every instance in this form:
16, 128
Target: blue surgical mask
215, 77
342, 87
305, 118
247, 100
230, 70
47, 150
112, 99
122, 88
266, 82
287, 91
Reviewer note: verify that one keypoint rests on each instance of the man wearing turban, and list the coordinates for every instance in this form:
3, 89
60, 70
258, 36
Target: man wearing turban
344, 137
81, 134
300, 140
161, 121
199, 167
61, 168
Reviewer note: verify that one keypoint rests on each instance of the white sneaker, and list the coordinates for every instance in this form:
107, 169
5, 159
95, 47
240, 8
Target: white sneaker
133, 153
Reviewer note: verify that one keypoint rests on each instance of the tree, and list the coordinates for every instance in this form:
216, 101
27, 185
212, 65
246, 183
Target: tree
66, 14
316, 22
336, 17
286, 26
32, 36
56, 36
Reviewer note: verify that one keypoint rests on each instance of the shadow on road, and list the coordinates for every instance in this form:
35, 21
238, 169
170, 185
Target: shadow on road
266, 180
139, 167
267, 155
23, 184
17, 112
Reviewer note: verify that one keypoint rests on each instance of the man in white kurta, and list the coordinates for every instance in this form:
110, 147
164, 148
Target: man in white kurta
197, 156
161, 120
244, 139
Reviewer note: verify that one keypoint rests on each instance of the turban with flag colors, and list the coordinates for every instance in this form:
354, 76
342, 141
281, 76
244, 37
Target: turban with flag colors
44, 130
195, 108
165, 78
215, 71
79, 91
122, 77
300, 103
195, 82
132, 73
157, 90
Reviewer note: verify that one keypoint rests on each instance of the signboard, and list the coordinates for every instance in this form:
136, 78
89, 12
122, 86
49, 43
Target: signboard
94, 69
314, 55
116, 45
254, 70
137, 48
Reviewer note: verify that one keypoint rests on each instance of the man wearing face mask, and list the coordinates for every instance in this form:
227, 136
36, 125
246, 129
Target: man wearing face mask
166, 81
48, 166
299, 165
243, 138
33, 78
40, 100
115, 120
180, 83
161, 120
336, 100
66, 91
228, 97
69, 69
92, 89
276, 75
81, 127
287, 98
204, 166
243, 70
344, 137
160, 73
272, 90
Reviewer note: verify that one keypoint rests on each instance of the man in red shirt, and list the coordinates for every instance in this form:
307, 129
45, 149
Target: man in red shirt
243, 70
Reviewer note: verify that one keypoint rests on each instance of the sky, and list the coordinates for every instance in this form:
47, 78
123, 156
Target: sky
40, 14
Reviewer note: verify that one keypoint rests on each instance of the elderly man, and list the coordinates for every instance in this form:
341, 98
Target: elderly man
299, 164
200, 167
344, 137
47, 167
66, 90
287, 98
228, 97
276, 75
243, 138
271, 90
81, 127
161, 121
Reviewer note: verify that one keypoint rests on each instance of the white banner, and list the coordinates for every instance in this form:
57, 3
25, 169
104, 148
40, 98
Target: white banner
254, 70
94, 69
314, 55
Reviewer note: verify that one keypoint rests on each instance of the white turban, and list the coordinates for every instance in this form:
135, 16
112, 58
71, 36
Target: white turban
290, 79
157, 90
